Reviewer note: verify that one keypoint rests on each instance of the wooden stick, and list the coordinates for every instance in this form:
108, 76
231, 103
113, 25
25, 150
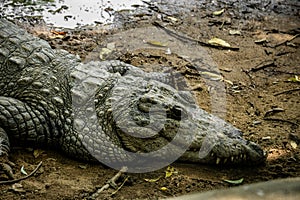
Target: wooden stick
22, 178
286, 91
181, 37
281, 120
110, 182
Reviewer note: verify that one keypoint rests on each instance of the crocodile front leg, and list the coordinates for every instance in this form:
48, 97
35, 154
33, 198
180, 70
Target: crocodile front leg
5, 164
19, 122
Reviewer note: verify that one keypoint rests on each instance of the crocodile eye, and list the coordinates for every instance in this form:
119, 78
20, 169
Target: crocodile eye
177, 113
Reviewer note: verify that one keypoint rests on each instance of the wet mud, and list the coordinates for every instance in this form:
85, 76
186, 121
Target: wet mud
261, 80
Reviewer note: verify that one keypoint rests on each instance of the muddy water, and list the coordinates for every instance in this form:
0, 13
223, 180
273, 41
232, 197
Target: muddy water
66, 13
76, 13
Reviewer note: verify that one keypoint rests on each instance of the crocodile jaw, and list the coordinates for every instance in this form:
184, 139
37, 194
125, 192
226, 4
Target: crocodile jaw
247, 153
218, 142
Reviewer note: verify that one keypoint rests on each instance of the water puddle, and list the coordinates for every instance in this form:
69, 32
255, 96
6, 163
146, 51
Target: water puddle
67, 13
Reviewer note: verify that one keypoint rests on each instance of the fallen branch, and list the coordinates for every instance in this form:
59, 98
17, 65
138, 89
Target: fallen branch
289, 40
263, 65
110, 183
285, 72
185, 39
115, 192
286, 91
23, 178
281, 120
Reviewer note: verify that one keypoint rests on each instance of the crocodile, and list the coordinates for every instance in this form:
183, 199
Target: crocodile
105, 111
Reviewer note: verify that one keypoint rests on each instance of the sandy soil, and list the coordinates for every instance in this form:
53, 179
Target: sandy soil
262, 99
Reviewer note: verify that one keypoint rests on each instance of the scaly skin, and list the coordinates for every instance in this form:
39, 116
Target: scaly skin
110, 110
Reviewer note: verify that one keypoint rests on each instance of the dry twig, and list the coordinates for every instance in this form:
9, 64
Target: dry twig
281, 120
184, 38
289, 40
22, 178
263, 65
120, 186
110, 182
286, 91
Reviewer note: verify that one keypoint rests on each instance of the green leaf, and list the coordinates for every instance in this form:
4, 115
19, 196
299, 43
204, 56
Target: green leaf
170, 171
294, 79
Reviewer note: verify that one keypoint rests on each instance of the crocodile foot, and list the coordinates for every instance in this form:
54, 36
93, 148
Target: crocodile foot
6, 166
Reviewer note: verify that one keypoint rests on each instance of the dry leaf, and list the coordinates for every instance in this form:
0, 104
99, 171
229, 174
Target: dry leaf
212, 75
218, 42
235, 32
152, 180
173, 19
228, 81
37, 152
156, 43
17, 187
266, 138
216, 77
59, 32
294, 79
219, 12
82, 166
163, 188
234, 182
56, 37
294, 144
168, 51
104, 52
261, 41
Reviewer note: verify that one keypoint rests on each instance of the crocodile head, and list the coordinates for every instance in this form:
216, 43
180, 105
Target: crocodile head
152, 117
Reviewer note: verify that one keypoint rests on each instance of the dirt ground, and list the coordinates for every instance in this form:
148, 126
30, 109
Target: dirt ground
262, 99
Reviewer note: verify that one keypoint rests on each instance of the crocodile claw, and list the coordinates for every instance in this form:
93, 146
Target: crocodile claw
6, 167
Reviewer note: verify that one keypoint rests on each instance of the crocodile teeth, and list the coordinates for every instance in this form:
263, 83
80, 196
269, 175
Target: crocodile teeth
218, 161
232, 158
